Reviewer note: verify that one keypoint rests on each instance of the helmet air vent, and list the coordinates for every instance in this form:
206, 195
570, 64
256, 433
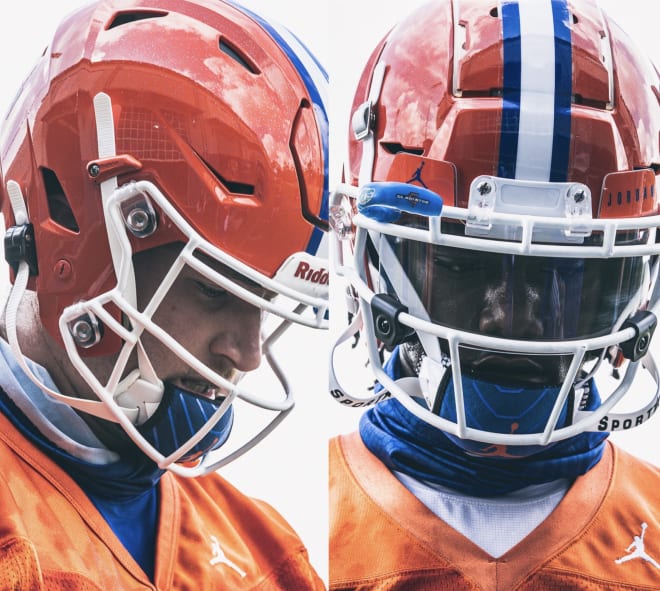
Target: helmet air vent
124, 18
58, 205
396, 148
235, 187
233, 53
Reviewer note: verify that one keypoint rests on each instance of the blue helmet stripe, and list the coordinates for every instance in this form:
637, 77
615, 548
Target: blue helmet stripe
511, 91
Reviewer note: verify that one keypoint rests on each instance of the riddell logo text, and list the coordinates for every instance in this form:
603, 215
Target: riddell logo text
308, 273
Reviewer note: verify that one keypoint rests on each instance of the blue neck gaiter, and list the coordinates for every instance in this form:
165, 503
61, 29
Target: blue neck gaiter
408, 444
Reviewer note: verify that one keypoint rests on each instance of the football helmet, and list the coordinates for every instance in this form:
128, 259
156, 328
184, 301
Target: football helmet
167, 122
498, 223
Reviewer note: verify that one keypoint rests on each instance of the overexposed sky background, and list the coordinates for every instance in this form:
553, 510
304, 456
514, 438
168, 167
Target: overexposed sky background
289, 468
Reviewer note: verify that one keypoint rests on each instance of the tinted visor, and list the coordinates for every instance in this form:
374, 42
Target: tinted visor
515, 296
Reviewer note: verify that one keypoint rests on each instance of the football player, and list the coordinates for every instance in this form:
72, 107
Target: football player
165, 197
498, 235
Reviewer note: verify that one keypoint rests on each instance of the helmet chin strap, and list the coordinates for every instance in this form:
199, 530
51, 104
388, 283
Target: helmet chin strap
141, 390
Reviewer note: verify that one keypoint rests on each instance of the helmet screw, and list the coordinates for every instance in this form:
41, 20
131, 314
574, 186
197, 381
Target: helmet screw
62, 269
138, 220
94, 169
484, 187
86, 331
578, 197
643, 344
139, 216
82, 331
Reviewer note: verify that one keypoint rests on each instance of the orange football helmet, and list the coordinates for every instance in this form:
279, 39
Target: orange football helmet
500, 217
152, 123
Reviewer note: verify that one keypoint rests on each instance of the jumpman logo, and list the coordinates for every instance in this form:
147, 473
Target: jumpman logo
636, 550
499, 451
417, 176
219, 557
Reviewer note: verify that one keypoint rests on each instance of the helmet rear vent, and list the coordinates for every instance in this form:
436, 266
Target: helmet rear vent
123, 18
237, 56
59, 207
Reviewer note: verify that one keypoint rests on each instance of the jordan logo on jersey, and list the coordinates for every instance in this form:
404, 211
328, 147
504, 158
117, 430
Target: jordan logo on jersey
637, 550
219, 557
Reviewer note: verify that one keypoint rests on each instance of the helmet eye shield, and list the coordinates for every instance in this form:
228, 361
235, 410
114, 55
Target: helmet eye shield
516, 296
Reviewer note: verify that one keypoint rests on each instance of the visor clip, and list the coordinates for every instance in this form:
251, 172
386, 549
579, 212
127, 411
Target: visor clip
363, 121
103, 169
644, 323
385, 310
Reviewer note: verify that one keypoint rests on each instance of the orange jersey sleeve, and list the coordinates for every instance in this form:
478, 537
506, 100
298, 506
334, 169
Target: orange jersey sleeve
210, 536
603, 536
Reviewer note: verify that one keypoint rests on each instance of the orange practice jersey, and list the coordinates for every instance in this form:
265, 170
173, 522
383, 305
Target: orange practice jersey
603, 536
210, 536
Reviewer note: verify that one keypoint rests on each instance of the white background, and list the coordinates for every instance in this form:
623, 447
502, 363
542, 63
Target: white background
289, 469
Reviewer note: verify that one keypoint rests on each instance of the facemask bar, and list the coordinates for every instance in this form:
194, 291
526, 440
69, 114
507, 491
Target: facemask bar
113, 197
359, 281
109, 393
583, 421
